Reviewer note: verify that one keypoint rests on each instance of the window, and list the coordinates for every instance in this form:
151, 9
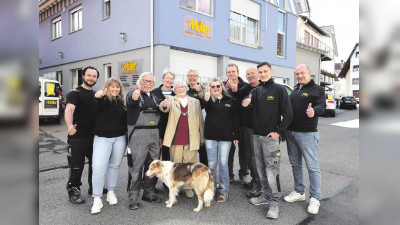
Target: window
281, 4
76, 77
357, 54
355, 68
316, 42
202, 6
76, 19
106, 9
356, 80
56, 28
306, 38
243, 29
107, 71
281, 34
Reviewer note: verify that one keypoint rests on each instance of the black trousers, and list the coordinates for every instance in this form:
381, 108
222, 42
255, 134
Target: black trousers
203, 155
246, 142
242, 161
165, 153
80, 148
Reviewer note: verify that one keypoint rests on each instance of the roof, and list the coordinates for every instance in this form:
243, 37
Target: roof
313, 25
346, 66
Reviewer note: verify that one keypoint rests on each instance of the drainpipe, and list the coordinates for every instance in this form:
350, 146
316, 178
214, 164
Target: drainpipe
151, 35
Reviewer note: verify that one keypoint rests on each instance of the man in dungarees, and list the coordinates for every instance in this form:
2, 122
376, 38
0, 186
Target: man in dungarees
143, 139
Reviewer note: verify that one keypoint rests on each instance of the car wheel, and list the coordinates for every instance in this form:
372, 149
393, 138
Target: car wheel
333, 114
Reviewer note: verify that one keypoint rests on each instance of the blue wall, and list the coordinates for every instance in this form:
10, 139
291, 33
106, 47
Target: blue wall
98, 37
168, 28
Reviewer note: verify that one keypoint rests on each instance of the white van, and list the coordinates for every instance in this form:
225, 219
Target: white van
50, 99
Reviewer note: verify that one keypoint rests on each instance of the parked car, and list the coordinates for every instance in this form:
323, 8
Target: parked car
330, 104
348, 102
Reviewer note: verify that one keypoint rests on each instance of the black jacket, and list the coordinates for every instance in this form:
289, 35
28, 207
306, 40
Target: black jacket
192, 92
222, 120
133, 106
162, 125
272, 110
245, 113
300, 98
111, 118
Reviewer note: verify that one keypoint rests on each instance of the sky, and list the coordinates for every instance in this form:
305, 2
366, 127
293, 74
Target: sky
344, 15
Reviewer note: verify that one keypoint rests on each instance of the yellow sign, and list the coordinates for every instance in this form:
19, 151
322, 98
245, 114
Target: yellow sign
50, 89
129, 66
198, 26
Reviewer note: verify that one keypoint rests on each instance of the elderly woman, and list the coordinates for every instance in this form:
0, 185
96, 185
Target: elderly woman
162, 92
184, 132
221, 129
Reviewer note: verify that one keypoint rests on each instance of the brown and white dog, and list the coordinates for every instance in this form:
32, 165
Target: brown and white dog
175, 175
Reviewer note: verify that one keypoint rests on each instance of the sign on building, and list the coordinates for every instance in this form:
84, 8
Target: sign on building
197, 28
128, 73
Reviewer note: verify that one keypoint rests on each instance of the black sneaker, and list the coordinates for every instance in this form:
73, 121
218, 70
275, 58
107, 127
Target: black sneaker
253, 194
150, 197
90, 191
246, 184
75, 196
133, 204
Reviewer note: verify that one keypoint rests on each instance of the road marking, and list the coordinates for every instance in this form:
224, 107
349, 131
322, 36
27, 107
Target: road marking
349, 124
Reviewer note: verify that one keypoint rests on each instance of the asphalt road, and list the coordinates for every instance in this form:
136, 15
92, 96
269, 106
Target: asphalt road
339, 163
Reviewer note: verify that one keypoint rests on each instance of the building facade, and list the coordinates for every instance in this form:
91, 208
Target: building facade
125, 38
350, 72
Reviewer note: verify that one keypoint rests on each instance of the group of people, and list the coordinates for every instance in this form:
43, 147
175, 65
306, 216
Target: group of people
167, 122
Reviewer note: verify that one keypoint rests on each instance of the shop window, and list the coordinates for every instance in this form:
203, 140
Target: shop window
201, 6
56, 28
76, 19
243, 29
281, 34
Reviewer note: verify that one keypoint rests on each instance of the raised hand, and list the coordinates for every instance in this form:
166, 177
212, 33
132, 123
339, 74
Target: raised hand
136, 94
100, 94
234, 87
198, 87
310, 111
207, 95
247, 101
165, 103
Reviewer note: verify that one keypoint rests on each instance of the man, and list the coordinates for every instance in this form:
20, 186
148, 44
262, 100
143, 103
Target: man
308, 103
246, 131
79, 116
196, 91
143, 139
272, 114
234, 83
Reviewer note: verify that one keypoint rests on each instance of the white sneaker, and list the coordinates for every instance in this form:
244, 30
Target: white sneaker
294, 197
97, 205
111, 198
314, 206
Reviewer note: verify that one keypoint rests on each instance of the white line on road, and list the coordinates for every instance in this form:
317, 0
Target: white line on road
349, 124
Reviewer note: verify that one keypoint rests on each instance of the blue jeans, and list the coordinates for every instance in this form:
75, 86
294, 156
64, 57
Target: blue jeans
218, 152
107, 154
304, 144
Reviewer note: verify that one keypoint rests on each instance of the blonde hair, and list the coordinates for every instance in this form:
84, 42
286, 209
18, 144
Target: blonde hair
224, 92
120, 96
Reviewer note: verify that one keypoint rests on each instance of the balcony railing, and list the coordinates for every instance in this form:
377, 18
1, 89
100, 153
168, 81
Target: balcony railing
318, 45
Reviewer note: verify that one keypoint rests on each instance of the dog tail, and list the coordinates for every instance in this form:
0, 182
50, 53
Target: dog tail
209, 193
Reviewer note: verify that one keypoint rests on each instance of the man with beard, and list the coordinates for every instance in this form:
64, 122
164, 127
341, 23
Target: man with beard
80, 117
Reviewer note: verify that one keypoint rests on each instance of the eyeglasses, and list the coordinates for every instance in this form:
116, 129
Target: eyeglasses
192, 75
148, 81
215, 86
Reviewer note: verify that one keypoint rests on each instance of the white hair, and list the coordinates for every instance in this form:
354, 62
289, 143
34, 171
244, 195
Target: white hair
139, 81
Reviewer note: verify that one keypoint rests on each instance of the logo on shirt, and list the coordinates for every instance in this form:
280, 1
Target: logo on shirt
270, 98
305, 94
227, 105
195, 95
152, 122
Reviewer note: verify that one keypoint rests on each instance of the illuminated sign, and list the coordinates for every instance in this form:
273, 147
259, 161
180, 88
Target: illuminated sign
197, 28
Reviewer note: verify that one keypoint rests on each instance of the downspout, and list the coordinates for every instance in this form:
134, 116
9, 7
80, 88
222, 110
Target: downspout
151, 36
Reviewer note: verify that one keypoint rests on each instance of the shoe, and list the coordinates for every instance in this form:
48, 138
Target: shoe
231, 178
273, 212
150, 197
259, 200
222, 198
111, 198
75, 196
133, 204
253, 194
245, 184
313, 208
218, 186
90, 191
97, 205
189, 193
294, 197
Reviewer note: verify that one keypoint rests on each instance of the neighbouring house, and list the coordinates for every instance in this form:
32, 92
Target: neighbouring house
350, 72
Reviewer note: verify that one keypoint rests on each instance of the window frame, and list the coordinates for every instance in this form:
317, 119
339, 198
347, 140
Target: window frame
54, 23
283, 34
106, 74
105, 3
355, 83
244, 30
356, 68
78, 10
196, 7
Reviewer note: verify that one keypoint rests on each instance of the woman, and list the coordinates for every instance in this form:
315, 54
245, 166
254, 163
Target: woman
184, 133
109, 142
221, 129
162, 92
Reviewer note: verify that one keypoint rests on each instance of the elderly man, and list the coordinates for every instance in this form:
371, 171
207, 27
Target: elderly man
272, 114
308, 102
143, 138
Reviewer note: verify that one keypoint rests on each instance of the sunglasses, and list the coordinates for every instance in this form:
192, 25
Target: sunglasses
215, 86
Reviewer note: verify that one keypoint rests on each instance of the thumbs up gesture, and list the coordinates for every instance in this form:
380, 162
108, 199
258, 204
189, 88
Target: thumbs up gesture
207, 95
310, 111
101, 93
198, 87
136, 94
234, 86
165, 103
247, 101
